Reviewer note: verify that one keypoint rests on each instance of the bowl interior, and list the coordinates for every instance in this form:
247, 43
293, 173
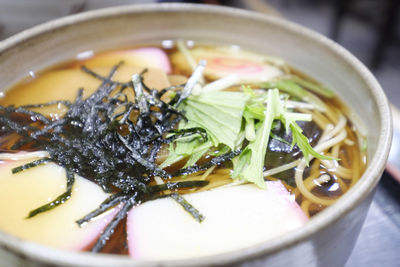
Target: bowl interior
62, 40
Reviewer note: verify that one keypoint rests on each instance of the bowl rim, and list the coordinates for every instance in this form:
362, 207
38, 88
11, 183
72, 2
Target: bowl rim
343, 206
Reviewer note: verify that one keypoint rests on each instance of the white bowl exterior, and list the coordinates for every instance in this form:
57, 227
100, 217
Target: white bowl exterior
316, 244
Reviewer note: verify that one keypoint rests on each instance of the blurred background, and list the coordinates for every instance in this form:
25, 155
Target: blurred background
370, 29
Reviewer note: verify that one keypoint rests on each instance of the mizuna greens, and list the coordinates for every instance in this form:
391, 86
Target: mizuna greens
244, 116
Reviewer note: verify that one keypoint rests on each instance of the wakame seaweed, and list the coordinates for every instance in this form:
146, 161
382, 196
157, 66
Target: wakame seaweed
112, 141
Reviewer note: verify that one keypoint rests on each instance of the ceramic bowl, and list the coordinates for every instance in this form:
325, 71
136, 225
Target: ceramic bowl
328, 239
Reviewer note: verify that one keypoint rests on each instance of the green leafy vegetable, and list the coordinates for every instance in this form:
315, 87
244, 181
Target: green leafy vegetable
250, 164
251, 160
295, 90
319, 89
220, 114
302, 142
230, 117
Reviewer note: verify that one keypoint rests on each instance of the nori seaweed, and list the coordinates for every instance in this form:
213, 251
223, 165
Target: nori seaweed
112, 141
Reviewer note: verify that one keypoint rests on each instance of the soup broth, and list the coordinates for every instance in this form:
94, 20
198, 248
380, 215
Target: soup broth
315, 179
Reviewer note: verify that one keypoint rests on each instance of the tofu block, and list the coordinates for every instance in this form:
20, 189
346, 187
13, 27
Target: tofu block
27, 190
235, 217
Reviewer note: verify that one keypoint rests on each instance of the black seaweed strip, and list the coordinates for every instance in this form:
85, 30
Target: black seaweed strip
185, 133
46, 129
30, 165
21, 110
11, 125
188, 207
23, 141
214, 161
108, 232
59, 200
154, 150
110, 202
127, 114
176, 185
102, 78
148, 164
79, 96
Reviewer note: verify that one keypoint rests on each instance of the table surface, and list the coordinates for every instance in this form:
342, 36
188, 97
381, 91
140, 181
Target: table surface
380, 236
379, 239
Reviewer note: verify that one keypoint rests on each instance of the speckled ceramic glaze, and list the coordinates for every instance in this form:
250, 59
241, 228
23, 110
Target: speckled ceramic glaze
328, 239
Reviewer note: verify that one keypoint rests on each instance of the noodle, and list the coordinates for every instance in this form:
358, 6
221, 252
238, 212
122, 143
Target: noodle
300, 169
282, 168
